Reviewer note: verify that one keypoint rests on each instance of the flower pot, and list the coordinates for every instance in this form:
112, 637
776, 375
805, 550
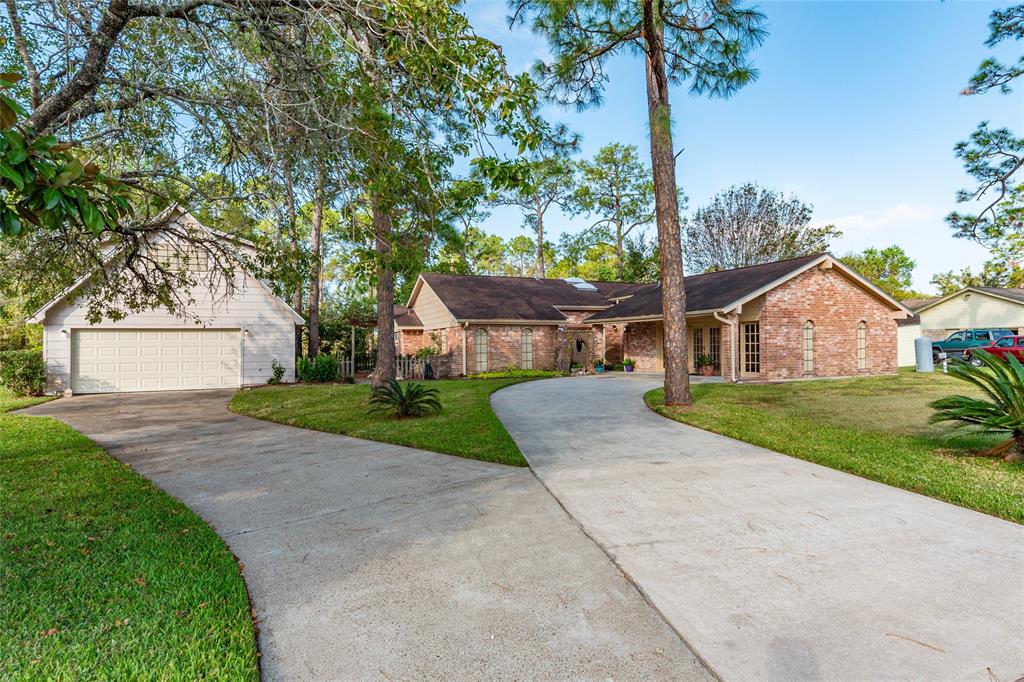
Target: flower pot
598, 369
628, 368
707, 370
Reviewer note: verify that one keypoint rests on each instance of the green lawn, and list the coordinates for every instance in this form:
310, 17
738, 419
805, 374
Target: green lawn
874, 427
104, 576
9, 401
467, 427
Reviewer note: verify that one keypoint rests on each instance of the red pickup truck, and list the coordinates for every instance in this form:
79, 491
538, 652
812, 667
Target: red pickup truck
1008, 345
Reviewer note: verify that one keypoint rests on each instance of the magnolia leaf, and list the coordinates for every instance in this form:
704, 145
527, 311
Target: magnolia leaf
10, 77
51, 197
12, 175
8, 116
71, 172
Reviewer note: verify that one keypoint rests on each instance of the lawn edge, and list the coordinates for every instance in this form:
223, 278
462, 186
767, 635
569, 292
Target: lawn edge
239, 565
660, 413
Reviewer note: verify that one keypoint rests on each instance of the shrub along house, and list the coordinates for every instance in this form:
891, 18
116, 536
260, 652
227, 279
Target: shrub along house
801, 318
480, 323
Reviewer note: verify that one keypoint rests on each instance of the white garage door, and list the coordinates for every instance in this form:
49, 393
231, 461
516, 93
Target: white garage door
114, 360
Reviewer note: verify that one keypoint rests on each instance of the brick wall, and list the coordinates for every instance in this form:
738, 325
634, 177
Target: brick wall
411, 340
836, 306
612, 342
504, 346
640, 344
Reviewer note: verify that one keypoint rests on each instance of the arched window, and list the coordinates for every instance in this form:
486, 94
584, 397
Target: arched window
480, 349
808, 347
862, 345
526, 349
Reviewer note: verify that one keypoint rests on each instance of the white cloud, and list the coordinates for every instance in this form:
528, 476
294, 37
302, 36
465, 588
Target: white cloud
896, 216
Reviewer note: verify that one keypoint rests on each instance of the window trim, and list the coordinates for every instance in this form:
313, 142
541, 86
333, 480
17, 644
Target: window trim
526, 348
477, 364
752, 347
862, 345
715, 345
808, 347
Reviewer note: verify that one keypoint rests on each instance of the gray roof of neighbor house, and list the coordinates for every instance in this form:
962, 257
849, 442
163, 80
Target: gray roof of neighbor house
485, 297
710, 291
915, 303
1017, 294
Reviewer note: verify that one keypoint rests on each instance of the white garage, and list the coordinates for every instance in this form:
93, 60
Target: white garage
223, 341
115, 360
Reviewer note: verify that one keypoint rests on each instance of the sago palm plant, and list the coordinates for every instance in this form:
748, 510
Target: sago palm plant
1002, 408
410, 400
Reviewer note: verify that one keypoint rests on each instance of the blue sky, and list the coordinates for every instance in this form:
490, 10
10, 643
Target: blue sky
856, 111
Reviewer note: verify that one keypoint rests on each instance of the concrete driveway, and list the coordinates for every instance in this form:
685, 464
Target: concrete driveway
772, 568
368, 561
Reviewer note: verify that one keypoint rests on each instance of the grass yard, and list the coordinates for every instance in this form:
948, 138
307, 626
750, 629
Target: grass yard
874, 427
467, 427
9, 401
104, 576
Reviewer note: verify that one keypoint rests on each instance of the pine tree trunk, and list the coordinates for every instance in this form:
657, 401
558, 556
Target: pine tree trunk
663, 163
540, 242
382, 228
619, 265
293, 237
316, 253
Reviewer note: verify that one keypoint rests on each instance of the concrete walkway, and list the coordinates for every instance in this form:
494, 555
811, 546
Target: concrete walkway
368, 561
772, 568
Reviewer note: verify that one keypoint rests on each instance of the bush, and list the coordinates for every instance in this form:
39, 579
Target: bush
23, 372
321, 368
277, 372
414, 400
516, 373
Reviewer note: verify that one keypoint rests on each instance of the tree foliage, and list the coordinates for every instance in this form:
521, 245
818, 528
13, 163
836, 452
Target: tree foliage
890, 269
550, 182
994, 158
617, 192
749, 225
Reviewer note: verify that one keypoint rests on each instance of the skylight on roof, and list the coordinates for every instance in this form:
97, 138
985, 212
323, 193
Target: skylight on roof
581, 284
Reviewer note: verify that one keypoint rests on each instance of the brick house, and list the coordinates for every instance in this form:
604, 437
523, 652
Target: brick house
802, 318
486, 324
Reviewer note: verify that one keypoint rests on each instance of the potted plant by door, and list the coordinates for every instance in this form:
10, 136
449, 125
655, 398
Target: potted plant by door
628, 364
704, 365
598, 366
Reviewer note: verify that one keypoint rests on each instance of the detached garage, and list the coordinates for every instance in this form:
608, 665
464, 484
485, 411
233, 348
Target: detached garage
238, 339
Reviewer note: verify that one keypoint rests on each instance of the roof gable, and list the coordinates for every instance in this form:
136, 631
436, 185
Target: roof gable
173, 212
1010, 295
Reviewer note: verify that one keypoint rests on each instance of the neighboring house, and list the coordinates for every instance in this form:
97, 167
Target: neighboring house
482, 323
801, 318
237, 338
969, 308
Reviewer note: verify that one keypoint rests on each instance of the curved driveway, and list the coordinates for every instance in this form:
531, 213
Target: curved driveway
368, 561
768, 566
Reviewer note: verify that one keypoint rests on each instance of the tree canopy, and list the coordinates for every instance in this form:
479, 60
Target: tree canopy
749, 225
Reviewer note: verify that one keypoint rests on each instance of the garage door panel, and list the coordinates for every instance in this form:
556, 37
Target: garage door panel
105, 361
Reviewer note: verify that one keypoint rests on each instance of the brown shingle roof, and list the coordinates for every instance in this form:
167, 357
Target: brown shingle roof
710, 291
480, 297
406, 317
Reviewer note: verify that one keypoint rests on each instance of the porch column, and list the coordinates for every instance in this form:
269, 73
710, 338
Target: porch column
731, 360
